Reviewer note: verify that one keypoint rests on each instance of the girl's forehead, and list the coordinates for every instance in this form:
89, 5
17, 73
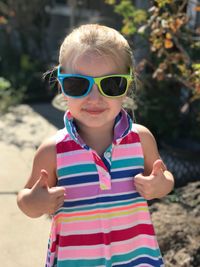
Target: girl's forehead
96, 65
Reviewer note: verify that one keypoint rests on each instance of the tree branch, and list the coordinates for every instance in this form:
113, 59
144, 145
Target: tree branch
182, 6
181, 49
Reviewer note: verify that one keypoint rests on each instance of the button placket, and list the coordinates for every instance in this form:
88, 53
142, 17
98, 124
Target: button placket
104, 176
107, 154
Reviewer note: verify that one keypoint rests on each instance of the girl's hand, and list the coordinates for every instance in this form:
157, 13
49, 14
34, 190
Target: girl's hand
158, 184
48, 200
41, 199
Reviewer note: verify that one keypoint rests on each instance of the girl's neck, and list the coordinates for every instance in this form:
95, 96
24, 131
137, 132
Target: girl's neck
98, 138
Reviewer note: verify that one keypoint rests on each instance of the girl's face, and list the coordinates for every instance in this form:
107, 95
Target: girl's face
95, 110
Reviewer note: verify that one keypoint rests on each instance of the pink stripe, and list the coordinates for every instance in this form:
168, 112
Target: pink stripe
127, 151
93, 252
84, 156
95, 225
72, 159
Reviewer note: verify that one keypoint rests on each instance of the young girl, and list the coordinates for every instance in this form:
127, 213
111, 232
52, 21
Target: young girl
95, 175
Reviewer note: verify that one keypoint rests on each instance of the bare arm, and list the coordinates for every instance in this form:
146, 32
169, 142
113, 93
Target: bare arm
156, 181
40, 194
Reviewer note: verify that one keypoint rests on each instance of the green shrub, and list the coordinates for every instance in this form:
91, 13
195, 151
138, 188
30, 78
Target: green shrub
8, 95
168, 98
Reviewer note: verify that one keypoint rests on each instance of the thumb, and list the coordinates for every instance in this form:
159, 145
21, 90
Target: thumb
158, 166
139, 179
43, 180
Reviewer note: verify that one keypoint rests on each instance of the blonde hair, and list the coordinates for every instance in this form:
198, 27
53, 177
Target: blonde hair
97, 39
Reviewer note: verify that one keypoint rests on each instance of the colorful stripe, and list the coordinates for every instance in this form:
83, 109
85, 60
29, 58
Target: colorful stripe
124, 247
104, 221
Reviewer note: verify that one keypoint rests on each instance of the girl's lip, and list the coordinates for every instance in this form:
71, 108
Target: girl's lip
94, 111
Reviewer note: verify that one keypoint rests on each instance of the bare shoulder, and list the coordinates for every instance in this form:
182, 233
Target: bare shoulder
47, 148
143, 131
149, 146
45, 158
145, 134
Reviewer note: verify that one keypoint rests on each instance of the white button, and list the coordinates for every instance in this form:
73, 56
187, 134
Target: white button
107, 154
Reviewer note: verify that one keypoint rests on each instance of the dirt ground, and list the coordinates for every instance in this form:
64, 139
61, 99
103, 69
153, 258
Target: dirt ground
177, 223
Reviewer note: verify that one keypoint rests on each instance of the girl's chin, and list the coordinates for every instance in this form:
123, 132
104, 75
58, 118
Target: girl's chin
93, 121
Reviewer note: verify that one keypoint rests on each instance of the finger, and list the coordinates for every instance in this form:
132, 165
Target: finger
138, 187
43, 179
143, 193
55, 206
60, 199
140, 179
58, 205
158, 166
140, 191
58, 191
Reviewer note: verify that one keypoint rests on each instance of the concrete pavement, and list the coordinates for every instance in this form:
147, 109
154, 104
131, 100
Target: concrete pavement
23, 241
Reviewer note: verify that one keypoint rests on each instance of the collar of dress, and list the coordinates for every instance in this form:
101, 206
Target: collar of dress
122, 126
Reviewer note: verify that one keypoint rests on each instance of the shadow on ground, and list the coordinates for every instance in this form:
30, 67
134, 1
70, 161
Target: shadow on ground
50, 113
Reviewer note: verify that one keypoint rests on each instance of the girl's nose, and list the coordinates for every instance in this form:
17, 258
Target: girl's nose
94, 93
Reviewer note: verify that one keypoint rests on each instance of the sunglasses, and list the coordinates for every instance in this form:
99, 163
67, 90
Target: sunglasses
77, 86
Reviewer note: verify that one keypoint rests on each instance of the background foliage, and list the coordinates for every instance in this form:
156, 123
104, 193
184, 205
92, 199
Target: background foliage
23, 47
168, 99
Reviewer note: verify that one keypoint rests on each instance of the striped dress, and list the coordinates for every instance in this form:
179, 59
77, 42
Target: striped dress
103, 221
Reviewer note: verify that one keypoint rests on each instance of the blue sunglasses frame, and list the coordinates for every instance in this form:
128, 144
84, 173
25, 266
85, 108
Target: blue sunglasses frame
92, 81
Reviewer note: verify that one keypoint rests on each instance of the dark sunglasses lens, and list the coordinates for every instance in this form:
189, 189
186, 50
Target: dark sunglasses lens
114, 86
75, 86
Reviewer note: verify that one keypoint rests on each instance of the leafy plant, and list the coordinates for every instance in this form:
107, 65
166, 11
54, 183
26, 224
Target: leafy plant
170, 74
8, 96
24, 53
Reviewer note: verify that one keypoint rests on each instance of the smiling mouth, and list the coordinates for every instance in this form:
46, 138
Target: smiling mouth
94, 111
